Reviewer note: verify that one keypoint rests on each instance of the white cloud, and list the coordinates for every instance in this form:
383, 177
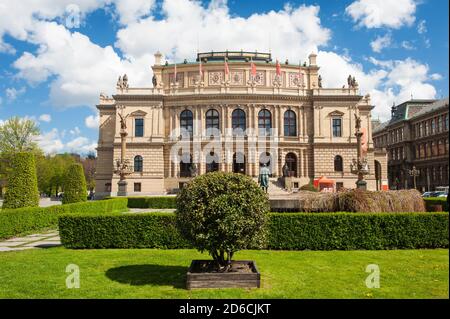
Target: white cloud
421, 27
45, 118
92, 121
292, 32
75, 131
436, 77
13, 93
130, 11
50, 142
407, 45
81, 145
381, 42
382, 13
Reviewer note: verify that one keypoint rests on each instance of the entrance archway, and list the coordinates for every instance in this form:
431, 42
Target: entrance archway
291, 161
212, 162
239, 163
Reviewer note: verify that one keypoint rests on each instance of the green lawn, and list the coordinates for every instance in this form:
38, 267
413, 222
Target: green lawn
152, 273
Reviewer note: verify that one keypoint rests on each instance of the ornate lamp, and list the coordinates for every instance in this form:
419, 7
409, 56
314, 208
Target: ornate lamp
414, 173
359, 166
123, 167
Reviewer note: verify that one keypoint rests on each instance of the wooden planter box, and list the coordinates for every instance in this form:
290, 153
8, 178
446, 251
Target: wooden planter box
223, 280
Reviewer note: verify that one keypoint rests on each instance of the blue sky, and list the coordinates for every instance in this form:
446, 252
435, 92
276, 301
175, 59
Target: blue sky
52, 68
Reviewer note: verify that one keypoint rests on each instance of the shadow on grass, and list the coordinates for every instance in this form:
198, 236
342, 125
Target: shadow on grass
140, 275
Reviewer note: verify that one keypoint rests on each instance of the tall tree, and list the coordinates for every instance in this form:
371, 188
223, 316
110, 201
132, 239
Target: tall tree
18, 135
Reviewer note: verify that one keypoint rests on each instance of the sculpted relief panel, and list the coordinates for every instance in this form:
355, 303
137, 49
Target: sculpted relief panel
215, 77
295, 79
237, 77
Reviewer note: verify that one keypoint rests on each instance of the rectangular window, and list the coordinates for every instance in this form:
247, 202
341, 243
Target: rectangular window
337, 127
446, 122
137, 187
139, 127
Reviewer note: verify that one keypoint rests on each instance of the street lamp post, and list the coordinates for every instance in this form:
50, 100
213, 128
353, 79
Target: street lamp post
359, 166
414, 173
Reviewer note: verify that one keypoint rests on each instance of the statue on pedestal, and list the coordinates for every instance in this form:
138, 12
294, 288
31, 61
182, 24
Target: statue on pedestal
263, 178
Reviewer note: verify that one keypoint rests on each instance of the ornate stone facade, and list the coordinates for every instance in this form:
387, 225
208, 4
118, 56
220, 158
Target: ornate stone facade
416, 135
310, 127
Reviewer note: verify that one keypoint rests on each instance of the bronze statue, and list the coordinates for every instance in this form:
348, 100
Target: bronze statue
154, 81
123, 121
357, 122
349, 81
285, 170
320, 81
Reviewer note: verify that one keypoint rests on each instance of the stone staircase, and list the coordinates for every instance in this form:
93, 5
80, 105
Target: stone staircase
275, 188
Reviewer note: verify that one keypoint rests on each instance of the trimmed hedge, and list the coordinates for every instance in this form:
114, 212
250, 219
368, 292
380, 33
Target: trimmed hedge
22, 188
152, 202
430, 201
14, 222
74, 185
148, 230
297, 231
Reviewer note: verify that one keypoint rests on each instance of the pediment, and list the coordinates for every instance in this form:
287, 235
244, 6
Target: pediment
336, 113
138, 113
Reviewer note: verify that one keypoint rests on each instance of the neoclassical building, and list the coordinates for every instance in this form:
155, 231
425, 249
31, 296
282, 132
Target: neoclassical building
233, 111
416, 136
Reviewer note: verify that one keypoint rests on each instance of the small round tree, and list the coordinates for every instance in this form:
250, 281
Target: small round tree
74, 185
222, 213
22, 188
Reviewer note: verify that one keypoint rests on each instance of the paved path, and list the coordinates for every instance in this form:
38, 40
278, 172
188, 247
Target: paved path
43, 240
43, 202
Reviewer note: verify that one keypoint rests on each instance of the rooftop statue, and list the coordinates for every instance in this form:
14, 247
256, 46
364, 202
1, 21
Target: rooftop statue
320, 81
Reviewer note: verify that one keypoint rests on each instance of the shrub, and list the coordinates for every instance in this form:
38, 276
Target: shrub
347, 231
14, 222
74, 185
148, 230
152, 202
431, 201
222, 213
22, 188
327, 231
309, 187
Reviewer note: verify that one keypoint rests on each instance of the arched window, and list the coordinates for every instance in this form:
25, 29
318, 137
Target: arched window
238, 121
264, 122
138, 163
338, 164
290, 123
212, 162
186, 122
239, 163
212, 119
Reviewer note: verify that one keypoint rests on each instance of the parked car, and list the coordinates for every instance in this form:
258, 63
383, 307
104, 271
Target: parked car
427, 194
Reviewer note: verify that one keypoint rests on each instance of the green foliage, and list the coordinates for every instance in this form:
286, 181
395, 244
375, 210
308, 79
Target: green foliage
347, 231
152, 202
326, 231
309, 187
222, 213
155, 230
17, 136
22, 183
431, 201
74, 185
14, 222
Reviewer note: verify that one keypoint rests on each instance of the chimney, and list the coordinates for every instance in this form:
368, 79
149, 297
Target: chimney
393, 110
